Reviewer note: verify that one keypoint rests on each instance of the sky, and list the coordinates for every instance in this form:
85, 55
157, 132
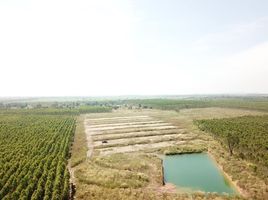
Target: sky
133, 47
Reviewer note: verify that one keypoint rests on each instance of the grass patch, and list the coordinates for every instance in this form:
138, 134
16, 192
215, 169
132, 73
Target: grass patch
183, 149
137, 135
111, 178
123, 162
119, 171
120, 131
145, 141
79, 147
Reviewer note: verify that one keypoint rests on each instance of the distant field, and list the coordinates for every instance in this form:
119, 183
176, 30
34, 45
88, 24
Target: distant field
254, 103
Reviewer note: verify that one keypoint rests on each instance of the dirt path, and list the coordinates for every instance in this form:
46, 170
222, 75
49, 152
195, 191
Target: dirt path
119, 118
71, 171
137, 147
124, 123
89, 141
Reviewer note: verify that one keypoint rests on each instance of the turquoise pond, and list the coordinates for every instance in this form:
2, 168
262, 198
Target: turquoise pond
195, 172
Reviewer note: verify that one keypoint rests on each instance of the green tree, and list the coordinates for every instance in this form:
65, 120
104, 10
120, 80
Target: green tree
232, 141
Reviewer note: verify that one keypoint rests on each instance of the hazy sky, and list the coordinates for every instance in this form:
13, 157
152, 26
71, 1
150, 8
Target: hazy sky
133, 47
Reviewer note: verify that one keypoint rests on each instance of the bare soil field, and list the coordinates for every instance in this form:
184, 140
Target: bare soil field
121, 134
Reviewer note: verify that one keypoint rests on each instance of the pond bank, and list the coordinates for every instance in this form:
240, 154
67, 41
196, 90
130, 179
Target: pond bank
227, 176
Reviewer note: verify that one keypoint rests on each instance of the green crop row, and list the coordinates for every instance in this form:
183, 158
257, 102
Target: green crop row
33, 156
58, 111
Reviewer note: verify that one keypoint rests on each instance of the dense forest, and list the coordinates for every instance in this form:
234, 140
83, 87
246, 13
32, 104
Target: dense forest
248, 136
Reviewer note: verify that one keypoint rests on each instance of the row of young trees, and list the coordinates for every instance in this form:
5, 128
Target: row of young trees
33, 156
58, 111
246, 136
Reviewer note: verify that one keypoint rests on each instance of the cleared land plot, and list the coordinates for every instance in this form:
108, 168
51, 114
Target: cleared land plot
128, 130
130, 126
107, 122
140, 140
124, 124
137, 134
118, 118
122, 134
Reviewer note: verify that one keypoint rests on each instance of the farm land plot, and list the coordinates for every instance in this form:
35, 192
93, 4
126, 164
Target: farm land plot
125, 147
121, 134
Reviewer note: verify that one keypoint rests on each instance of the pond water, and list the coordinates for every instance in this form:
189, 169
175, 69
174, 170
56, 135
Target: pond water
195, 172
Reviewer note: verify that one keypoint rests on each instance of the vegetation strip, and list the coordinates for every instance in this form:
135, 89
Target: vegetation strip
131, 130
137, 147
122, 124
117, 118
137, 134
140, 140
128, 126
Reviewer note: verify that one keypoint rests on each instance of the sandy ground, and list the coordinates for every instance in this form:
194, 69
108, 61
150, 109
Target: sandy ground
125, 123
127, 130
107, 122
89, 142
118, 118
150, 139
129, 126
137, 134
137, 147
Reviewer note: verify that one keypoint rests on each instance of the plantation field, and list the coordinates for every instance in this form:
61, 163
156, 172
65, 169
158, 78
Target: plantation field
57, 111
33, 156
118, 154
124, 149
252, 132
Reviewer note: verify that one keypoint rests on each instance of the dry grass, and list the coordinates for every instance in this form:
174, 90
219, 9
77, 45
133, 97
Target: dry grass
127, 130
140, 140
120, 171
122, 124
79, 147
137, 147
137, 134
